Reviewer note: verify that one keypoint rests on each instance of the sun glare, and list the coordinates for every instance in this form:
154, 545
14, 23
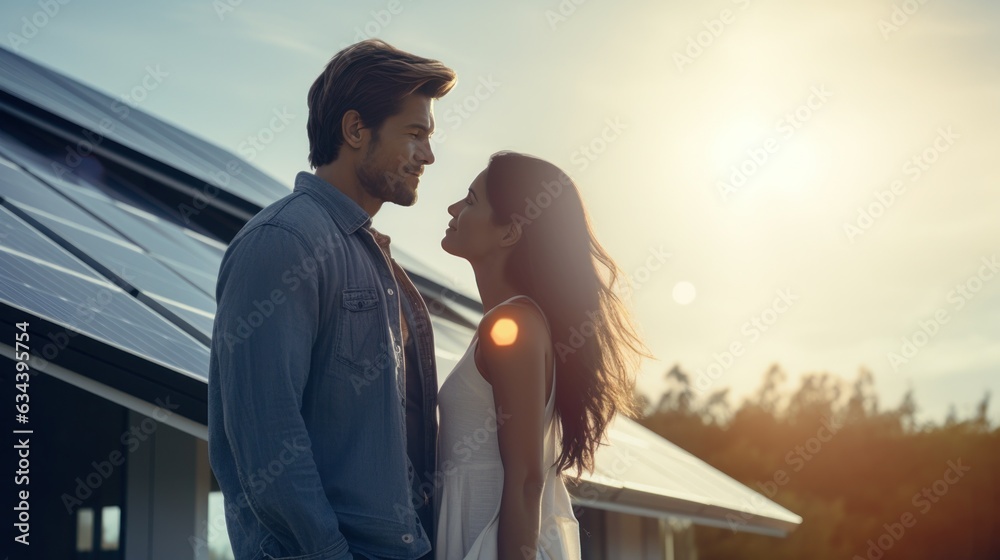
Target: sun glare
504, 332
730, 145
749, 155
795, 165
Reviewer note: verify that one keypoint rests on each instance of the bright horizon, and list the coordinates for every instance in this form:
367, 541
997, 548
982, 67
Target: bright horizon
824, 171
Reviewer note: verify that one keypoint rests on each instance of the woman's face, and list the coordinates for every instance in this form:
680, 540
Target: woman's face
471, 234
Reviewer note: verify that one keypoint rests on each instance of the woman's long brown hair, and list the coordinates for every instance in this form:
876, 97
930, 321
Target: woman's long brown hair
560, 264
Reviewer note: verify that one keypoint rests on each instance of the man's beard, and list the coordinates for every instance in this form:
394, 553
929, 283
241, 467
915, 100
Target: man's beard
382, 183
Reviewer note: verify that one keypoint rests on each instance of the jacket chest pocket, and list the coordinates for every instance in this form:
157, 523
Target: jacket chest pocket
359, 329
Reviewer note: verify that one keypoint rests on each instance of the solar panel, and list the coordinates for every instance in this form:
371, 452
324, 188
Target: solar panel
25, 242
197, 318
651, 471
442, 289
130, 127
164, 241
178, 249
41, 278
101, 243
412, 264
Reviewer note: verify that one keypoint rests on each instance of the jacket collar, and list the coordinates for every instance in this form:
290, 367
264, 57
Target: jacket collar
344, 211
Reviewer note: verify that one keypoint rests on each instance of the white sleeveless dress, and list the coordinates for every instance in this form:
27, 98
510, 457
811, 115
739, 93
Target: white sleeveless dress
468, 499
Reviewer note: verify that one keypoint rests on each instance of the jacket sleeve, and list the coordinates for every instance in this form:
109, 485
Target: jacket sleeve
266, 323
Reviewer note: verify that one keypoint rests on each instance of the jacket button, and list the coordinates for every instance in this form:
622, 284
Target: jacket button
389, 291
407, 538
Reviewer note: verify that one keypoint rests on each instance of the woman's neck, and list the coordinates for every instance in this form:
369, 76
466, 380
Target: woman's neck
493, 287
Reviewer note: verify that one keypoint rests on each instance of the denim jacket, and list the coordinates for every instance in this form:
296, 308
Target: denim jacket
306, 393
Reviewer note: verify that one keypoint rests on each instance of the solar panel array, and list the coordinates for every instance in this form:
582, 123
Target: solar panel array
41, 278
122, 123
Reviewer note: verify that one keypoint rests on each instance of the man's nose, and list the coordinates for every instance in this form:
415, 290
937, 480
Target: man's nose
427, 154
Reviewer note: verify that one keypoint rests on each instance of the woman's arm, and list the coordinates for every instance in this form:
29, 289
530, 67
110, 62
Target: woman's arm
516, 369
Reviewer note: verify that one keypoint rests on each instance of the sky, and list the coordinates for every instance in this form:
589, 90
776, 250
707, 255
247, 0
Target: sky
807, 184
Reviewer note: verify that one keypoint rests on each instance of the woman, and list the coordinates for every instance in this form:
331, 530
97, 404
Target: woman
549, 366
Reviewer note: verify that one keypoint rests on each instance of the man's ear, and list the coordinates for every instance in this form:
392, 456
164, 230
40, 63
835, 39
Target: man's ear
512, 235
352, 129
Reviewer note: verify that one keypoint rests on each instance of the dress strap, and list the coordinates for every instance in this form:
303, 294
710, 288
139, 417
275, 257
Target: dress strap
544, 318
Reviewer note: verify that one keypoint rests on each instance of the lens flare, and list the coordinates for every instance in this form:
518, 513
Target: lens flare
504, 332
684, 293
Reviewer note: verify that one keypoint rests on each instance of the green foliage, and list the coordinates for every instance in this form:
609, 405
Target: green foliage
869, 483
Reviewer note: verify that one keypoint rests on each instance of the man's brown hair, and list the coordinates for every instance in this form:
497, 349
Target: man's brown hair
372, 77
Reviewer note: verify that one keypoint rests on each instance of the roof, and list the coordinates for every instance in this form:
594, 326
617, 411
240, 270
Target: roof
112, 256
644, 474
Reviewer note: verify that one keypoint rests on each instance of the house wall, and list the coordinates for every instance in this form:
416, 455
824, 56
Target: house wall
76, 473
168, 481
612, 535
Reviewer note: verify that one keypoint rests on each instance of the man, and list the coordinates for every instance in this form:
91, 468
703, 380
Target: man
322, 384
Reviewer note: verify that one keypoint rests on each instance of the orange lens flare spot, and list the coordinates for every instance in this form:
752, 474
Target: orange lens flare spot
504, 332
